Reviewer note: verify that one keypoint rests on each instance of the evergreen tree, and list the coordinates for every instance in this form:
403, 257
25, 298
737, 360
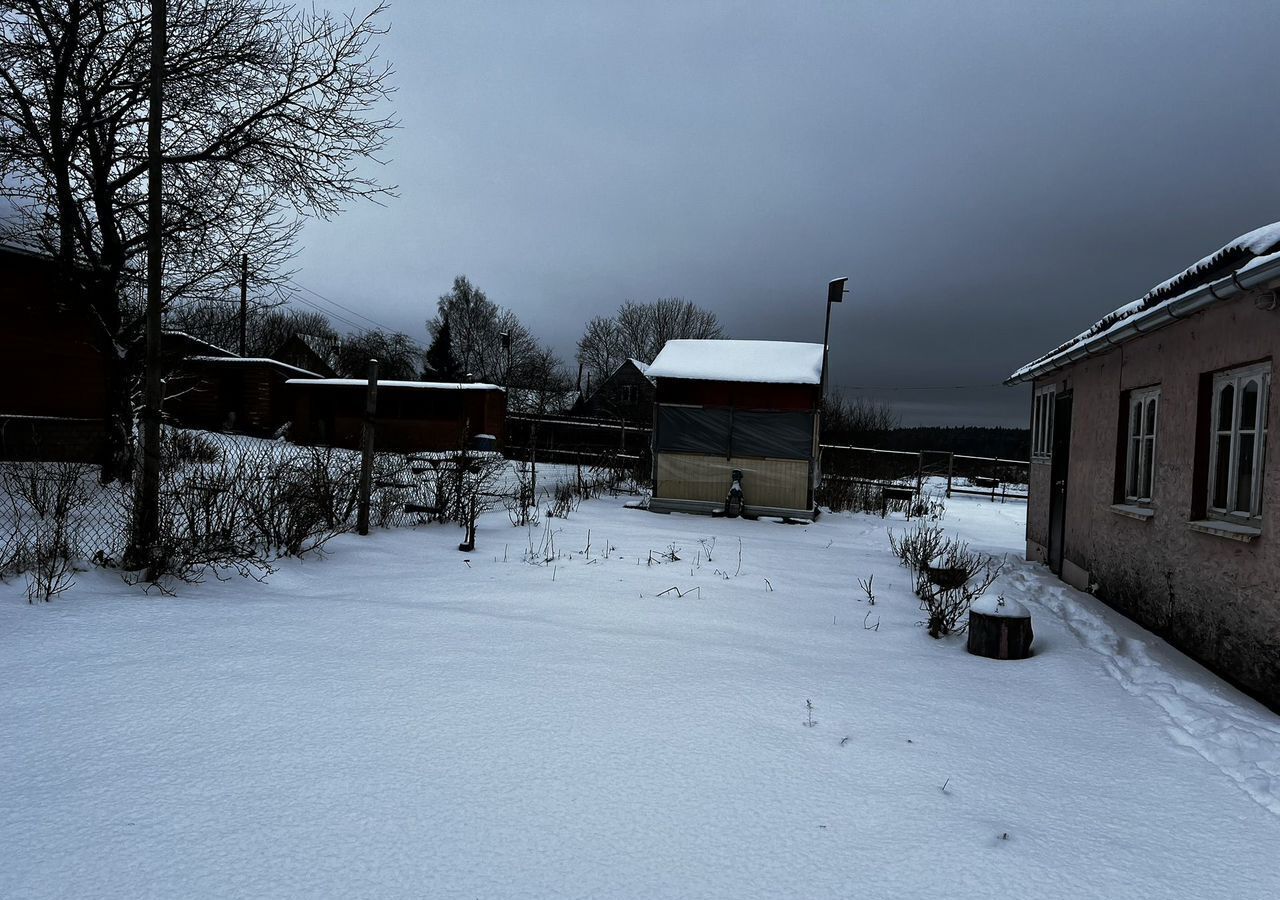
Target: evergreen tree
441, 362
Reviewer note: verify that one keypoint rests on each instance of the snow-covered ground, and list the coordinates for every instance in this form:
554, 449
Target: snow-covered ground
403, 720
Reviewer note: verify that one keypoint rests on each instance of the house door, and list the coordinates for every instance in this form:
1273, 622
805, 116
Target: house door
1058, 479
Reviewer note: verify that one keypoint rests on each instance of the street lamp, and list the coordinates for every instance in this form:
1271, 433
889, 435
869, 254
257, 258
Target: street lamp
835, 294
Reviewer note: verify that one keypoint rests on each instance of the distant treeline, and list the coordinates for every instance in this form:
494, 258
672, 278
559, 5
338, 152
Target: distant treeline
1006, 443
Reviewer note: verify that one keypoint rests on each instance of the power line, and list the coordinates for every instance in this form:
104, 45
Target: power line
926, 387
328, 314
343, 319
340, 306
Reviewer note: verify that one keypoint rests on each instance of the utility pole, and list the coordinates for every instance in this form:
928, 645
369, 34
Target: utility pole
146, 519
366, 449
244, 300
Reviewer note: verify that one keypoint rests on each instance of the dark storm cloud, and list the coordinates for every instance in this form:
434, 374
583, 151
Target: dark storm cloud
993, 177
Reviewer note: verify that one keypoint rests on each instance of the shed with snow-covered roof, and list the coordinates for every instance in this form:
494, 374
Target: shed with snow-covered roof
412, 416
1151, 482
225, 392
722, 407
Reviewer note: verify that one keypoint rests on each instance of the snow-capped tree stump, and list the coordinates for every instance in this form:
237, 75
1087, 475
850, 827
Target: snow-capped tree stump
999, 629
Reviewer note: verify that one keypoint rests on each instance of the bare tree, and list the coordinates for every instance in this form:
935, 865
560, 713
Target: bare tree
268, 112
640, 330
476, 327
399, 358
857, 421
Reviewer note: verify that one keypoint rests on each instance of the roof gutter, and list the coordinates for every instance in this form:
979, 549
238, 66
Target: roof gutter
1143, 323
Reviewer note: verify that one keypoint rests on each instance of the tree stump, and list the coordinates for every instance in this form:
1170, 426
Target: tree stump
999, 630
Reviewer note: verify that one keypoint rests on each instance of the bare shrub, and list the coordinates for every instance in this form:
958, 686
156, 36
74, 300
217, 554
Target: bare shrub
308, 498
917, 547
473, 481
49, 501
521, 506
948, 575
565, 498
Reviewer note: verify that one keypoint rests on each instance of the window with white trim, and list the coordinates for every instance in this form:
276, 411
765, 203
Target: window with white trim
1140, 455
1238, 442
1042, 424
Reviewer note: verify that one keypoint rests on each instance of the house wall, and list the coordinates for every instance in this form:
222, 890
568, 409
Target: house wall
53, 403
1215, 598
48, 345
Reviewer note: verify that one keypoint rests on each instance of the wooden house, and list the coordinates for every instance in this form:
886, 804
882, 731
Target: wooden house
412, 416
1151, 481
626, 394
745, 406
308, 352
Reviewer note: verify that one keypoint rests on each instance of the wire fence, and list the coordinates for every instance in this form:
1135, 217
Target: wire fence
234, 504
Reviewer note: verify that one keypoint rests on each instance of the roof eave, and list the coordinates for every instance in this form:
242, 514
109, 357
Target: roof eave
1144, 323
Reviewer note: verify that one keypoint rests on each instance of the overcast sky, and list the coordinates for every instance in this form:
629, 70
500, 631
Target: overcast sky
992, 176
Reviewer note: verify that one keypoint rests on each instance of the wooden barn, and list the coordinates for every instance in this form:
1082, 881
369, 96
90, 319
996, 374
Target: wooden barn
54, 404
230, 393
745, 406
412, 416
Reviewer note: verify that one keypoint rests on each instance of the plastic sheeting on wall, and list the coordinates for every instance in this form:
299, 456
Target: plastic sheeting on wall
684, 429
723, 432
778, 483
776, 435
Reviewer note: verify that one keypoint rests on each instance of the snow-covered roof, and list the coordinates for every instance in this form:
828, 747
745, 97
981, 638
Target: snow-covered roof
770, 362
1252, 251
220, 352
424, 385
264, 360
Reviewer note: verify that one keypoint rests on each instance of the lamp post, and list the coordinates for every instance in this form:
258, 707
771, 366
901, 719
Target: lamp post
835, 294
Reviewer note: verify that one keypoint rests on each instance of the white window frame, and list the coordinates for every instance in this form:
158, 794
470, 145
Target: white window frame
1139, 469
1042, 411
1237, 379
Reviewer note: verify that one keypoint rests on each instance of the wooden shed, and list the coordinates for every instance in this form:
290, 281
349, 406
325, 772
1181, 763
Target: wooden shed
231, 393
726, 406
412, 416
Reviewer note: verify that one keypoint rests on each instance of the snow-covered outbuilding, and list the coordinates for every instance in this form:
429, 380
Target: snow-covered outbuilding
746, 406
412, 416
1150, 478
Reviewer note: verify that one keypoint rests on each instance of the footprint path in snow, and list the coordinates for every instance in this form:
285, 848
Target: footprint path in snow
1244, 745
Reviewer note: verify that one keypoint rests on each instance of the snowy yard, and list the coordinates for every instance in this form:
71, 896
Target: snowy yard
403, 720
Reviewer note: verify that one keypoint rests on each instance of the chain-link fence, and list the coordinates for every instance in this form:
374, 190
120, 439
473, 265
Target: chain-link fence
235, 503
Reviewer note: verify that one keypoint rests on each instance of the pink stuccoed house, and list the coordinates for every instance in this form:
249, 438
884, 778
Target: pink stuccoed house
1151, 484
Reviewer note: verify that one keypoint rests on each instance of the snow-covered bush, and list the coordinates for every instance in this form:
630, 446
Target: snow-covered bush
948, 575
